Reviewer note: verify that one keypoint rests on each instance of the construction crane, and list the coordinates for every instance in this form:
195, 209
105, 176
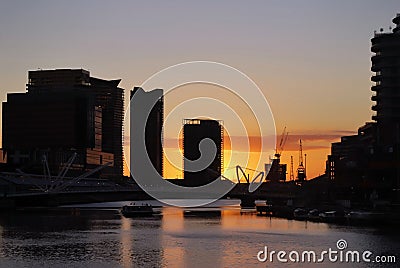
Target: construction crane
282, 142
301, 171
291, 169
276, 171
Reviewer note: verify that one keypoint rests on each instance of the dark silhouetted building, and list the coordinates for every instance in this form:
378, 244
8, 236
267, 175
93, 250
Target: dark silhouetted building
369, 162
194, 131
154, 125
276, 171
386, 66
65, 111
349, 158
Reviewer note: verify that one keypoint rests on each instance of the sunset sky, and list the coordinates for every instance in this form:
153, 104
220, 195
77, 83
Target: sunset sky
311, 59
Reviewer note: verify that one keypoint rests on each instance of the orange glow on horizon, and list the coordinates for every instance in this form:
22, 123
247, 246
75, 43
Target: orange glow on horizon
316, 151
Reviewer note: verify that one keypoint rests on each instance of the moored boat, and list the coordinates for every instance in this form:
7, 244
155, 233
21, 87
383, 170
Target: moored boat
313, 215
134, 210
332, 216
365, 217
300, 214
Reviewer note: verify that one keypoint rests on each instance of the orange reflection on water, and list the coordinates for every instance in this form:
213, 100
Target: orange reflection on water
172, 219
209, 239
172, 222
236, 219
244, 225
126, 242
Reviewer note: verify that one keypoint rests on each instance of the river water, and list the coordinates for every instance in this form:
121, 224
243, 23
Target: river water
99, 236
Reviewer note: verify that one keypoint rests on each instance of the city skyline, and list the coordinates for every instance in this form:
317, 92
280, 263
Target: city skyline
325, 45
199, 134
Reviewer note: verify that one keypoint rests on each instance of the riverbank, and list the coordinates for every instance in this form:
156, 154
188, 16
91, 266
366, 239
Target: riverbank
331, 214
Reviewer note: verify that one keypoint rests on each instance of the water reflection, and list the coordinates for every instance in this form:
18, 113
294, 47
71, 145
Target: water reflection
56, 236
221, 238
126, 246
1, 242
172, 225
141, 242
207, 223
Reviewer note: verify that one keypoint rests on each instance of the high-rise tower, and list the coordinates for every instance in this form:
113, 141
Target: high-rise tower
194, 131
370, 160
386, 65
154, 124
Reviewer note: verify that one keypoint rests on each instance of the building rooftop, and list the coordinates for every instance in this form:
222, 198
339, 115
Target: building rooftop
66, 78
198, 121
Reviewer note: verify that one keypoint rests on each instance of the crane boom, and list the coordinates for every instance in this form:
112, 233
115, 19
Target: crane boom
282, 142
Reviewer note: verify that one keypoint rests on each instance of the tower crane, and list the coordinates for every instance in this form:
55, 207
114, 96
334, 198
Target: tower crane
282, 142
276, 171
291, 169
301, 171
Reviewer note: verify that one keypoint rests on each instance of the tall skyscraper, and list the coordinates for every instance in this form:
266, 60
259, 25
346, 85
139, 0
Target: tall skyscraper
154, 124
194, 131
65, 111
386, 65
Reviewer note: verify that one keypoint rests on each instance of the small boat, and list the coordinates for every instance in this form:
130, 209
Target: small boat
313, 215
134, 210
365, 217
332, 216
300, 214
